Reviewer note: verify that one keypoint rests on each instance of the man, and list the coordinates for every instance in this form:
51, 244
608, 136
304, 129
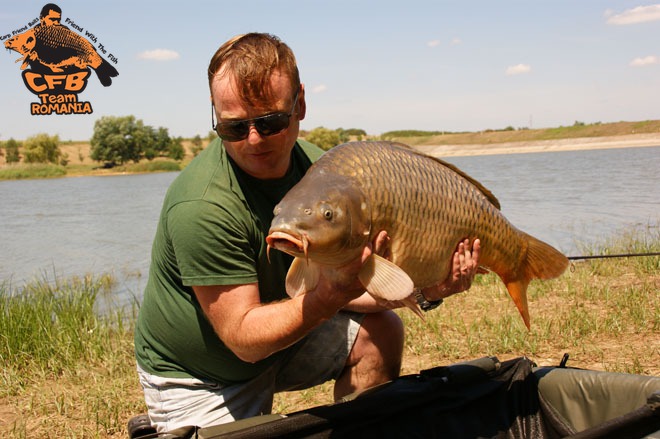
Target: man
217, 335
51, 15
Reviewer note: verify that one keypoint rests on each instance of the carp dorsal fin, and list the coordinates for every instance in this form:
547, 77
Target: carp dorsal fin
301, 277
384, 279
488, 194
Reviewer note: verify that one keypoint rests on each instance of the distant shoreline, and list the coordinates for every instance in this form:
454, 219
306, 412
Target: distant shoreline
571, 144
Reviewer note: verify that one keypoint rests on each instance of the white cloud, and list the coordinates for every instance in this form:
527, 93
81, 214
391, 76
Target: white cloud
645, 61
640, 14
159, 55
519, 69
435, 43
319, 88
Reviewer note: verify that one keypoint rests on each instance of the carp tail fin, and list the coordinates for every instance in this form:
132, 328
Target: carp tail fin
540, 261
543, 261
105, 72
518, 292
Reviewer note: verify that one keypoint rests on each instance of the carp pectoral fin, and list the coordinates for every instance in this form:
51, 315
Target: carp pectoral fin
411, 303
384, 279
518, 292
301, 277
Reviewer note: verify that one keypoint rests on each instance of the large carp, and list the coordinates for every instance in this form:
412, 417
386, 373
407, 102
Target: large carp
425, 205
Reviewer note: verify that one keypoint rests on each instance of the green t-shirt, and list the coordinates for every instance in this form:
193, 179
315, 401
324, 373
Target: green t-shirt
211, 231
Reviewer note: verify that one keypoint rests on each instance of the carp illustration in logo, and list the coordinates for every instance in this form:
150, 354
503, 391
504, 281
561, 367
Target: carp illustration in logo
58, 48
56, 63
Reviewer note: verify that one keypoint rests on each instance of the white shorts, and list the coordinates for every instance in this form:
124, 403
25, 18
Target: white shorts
320, 357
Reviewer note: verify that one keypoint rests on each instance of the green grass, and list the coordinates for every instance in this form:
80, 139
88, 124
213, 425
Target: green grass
155, 166
18, 172
68, 372
34, 171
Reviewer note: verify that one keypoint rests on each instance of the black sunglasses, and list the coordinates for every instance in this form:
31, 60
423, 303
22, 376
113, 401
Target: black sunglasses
267, 125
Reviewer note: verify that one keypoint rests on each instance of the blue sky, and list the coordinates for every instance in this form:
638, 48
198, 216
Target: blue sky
376, 65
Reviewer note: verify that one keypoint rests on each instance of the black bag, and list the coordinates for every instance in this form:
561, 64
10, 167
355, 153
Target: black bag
478, 399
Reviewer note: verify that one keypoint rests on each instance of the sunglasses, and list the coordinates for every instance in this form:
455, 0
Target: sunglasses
267, 125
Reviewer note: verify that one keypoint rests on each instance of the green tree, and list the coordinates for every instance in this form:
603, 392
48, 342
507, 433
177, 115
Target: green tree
117, 140
175, 149
324, 138
162, 142
11, 151
358, 132
64, 159
145, 139
42, 148
343, 134
197, 145
158, 143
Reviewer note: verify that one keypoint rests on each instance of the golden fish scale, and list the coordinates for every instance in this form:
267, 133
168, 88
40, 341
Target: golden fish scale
426, 208
58, 37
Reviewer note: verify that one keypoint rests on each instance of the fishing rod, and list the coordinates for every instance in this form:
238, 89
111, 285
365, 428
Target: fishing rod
622, 255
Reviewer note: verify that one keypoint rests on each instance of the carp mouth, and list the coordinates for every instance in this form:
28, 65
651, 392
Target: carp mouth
288, 243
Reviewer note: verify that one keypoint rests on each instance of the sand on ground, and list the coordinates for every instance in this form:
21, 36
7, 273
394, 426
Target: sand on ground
575, 144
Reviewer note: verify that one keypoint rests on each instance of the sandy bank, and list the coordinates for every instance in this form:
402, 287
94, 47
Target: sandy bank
583, 143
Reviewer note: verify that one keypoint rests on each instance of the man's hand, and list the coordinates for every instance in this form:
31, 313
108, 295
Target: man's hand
341, 284
465, 265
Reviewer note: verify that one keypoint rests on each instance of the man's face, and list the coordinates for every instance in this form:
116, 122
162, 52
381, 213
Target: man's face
264, 157
51, 18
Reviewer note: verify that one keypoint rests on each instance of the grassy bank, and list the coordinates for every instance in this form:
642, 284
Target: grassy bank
69, 373
20, 172
28, 171
578, 130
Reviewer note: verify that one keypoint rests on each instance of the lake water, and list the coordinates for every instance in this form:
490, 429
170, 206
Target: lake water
75, 226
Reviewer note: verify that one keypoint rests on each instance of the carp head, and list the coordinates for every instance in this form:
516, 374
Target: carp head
325, 220
24, 44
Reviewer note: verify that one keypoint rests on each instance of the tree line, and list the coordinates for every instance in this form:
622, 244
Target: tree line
116, 140
121, 139
326, 138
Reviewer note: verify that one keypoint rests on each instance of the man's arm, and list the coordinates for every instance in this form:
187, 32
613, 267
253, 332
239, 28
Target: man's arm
253, 330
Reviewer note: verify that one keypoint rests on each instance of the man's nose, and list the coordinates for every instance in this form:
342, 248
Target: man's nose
253, 134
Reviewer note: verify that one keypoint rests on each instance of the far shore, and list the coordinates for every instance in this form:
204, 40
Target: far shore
571, 144
84, 164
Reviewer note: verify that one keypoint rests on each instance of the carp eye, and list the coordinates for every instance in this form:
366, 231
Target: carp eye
327, 214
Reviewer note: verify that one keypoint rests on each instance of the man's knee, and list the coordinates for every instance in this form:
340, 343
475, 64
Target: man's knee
381, 337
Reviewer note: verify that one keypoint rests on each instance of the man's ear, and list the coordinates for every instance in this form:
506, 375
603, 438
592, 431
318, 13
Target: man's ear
302, 105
